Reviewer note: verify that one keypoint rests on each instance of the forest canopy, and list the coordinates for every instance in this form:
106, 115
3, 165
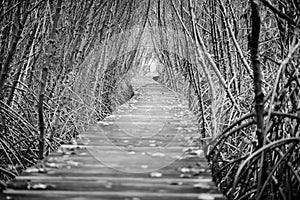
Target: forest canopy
66, 64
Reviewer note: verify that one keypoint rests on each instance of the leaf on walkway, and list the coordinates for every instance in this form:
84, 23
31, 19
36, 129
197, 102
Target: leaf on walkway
158, 154
40, 186
185, 175
144, 166
53, 165
201, 186
35, 170
71, 146
103, 123
185, 170
155, 174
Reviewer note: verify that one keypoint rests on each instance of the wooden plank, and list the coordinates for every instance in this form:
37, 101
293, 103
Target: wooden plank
144, 150
117, 186
54, 194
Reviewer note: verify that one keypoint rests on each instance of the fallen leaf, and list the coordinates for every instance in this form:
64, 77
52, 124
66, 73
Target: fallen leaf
32, 170
155, 174
158, 154
40, 186
201, 186
35, 170
185, 170
71, 146
52, 165
103, 123
185, 176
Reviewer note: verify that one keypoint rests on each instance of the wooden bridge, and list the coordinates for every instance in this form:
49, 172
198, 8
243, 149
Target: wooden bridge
145, 150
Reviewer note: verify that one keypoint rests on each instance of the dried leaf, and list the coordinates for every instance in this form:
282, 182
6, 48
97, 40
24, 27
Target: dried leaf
158, 154
155, 174
185, 176
201, 186
52, 165
185, 170
144, 166
35, 170
40, 186
71, 146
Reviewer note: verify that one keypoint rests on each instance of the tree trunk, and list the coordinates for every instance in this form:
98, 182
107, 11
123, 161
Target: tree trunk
44, 77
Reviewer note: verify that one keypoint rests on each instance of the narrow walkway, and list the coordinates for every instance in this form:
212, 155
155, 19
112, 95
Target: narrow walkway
144, 150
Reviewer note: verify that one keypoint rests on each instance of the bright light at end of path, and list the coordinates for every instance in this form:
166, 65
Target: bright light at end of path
147, 133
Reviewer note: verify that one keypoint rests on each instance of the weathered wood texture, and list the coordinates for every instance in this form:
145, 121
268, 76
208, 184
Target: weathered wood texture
145, 150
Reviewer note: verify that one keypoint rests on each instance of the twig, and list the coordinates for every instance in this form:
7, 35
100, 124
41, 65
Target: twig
280, 14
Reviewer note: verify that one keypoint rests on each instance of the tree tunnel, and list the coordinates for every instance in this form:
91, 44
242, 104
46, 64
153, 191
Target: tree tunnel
65, 65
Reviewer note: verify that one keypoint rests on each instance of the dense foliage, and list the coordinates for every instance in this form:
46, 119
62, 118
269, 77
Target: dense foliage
238, 63
61, 70
66, 64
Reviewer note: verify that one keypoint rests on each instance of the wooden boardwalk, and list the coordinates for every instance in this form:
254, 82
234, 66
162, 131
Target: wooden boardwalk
144, 150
